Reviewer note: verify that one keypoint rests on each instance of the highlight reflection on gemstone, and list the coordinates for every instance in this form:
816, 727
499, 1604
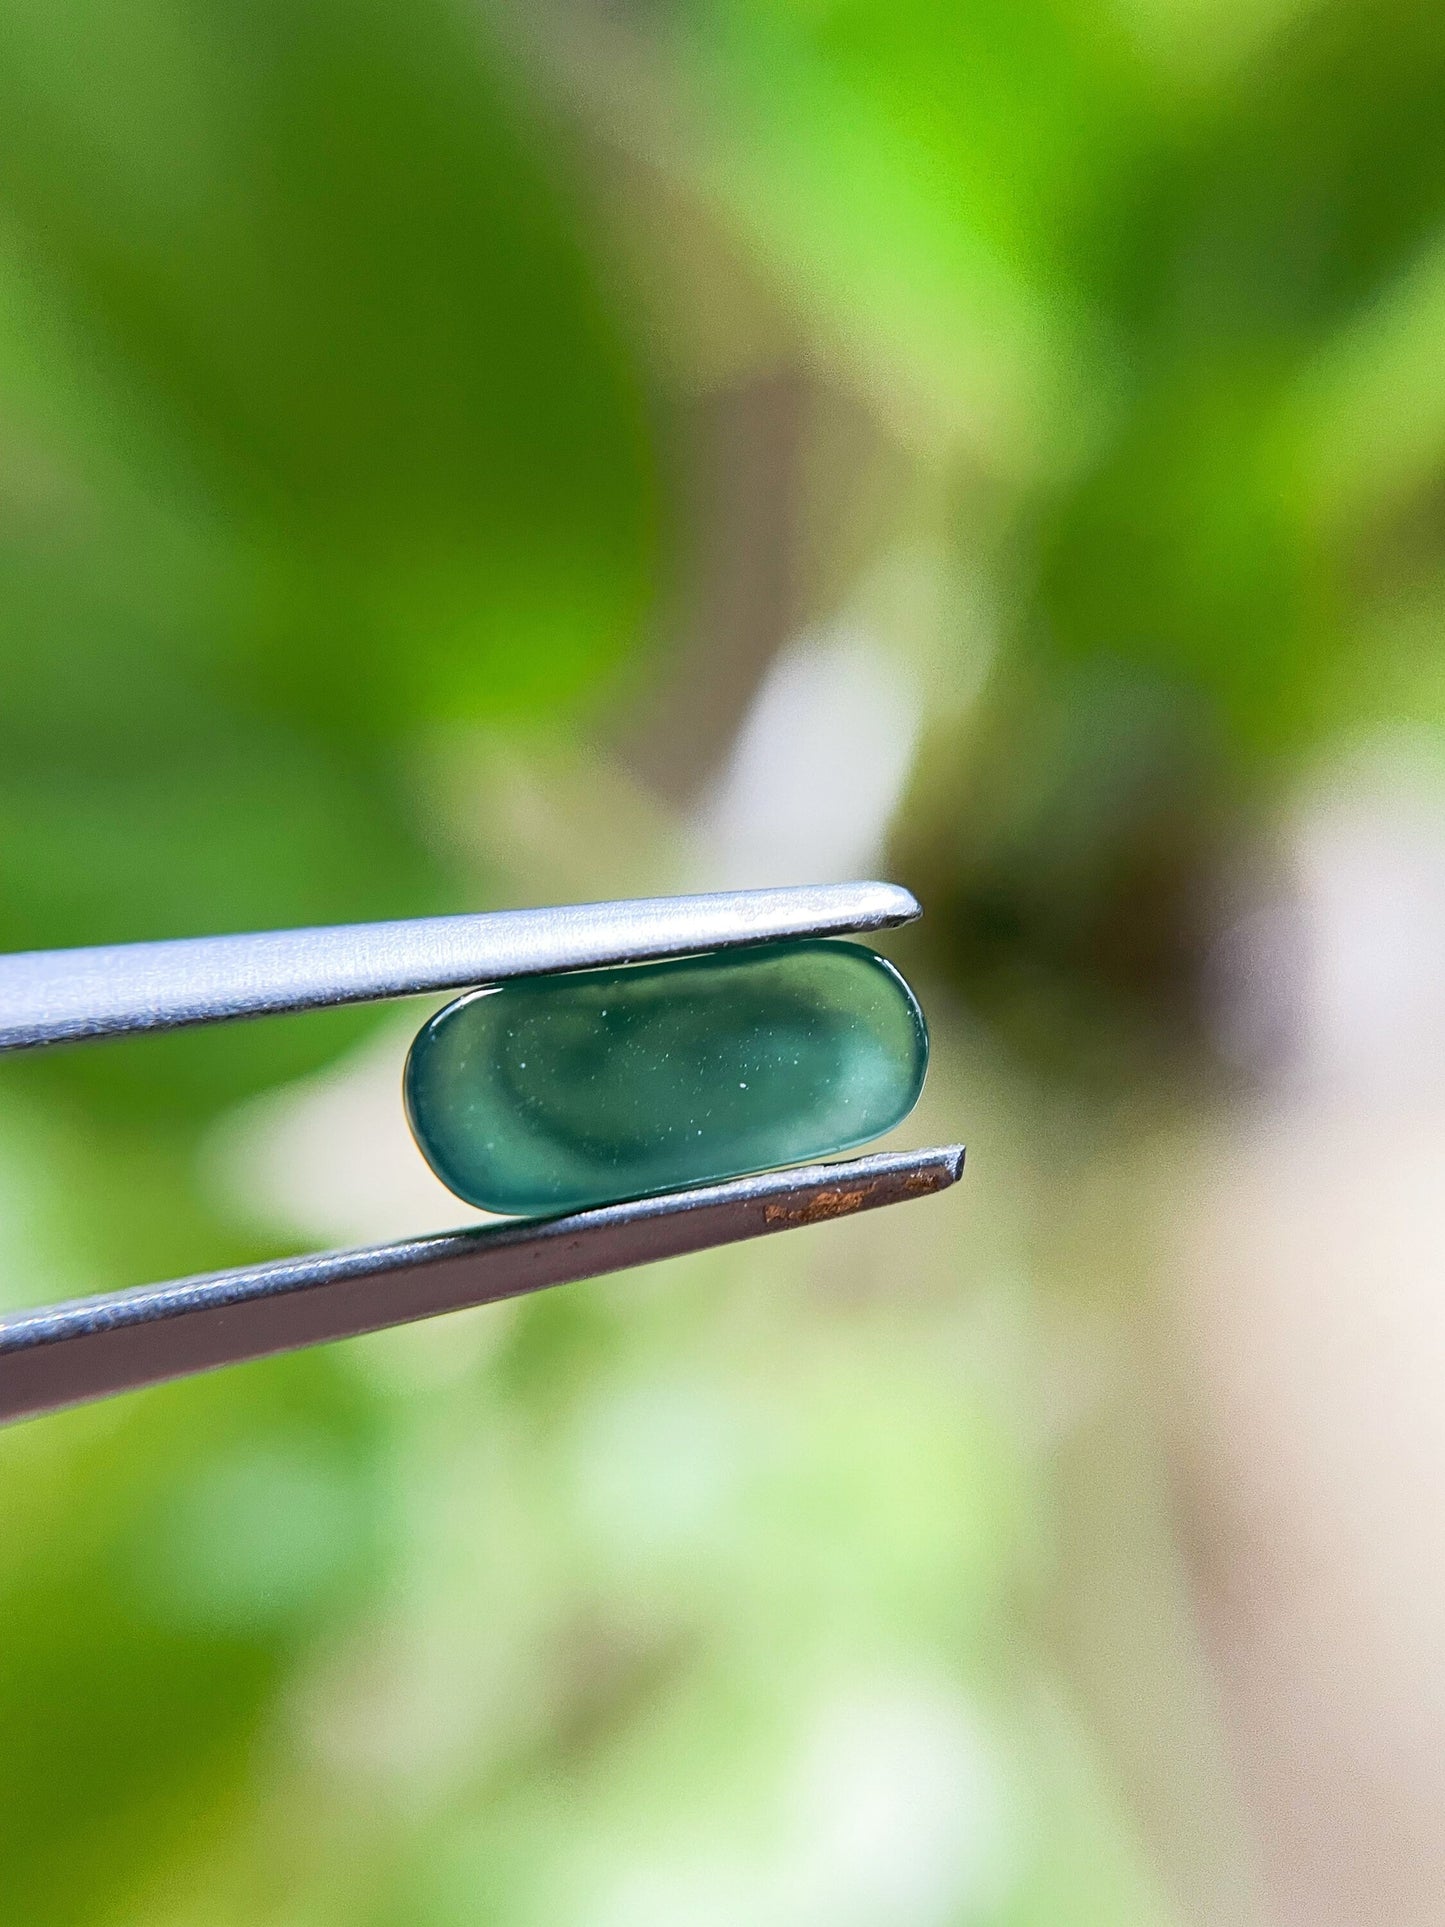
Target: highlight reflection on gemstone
550, 1093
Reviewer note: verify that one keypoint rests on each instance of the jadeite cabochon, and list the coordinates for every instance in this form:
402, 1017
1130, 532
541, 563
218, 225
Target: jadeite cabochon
550, 1093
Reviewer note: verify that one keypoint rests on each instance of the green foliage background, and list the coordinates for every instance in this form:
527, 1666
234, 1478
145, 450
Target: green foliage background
348, 361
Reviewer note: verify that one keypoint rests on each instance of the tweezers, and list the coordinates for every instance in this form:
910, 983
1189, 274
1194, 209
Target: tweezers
90, 1348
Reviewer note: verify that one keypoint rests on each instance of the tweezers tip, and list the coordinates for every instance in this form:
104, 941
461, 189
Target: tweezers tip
939, 1167
953, 1157
893, 903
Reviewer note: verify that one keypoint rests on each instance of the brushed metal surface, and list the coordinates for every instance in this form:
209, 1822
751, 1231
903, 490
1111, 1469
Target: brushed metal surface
55, 996
64, 1354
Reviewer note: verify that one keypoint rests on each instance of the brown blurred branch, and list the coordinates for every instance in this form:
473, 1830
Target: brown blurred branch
740, 595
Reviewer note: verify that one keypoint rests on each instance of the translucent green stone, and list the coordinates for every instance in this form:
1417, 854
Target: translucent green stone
550, 1093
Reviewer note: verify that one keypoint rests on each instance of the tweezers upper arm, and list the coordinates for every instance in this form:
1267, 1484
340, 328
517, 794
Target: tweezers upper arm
55, 996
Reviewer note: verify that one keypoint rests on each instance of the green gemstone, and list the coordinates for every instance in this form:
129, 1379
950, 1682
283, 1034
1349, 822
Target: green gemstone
550, 1093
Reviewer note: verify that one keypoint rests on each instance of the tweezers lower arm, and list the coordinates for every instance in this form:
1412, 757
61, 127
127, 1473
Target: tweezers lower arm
90, 1348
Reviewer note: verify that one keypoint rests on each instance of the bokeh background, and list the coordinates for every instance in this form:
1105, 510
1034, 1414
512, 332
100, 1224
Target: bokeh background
456, 456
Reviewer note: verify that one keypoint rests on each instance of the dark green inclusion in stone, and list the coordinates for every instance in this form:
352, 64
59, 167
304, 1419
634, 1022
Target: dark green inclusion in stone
550, 1093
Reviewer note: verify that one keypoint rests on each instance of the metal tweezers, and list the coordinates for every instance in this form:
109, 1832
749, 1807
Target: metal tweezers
89, 1348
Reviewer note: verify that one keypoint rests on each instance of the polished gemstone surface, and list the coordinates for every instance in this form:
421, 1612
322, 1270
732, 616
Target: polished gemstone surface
549, 1093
